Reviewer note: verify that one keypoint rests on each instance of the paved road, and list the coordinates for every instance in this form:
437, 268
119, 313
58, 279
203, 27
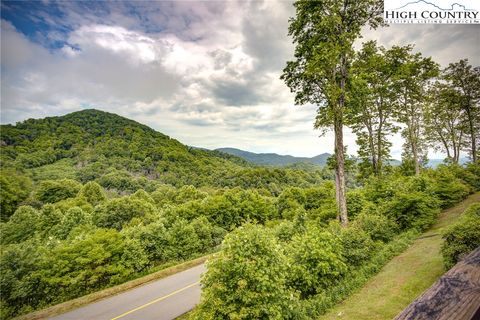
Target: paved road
164, 299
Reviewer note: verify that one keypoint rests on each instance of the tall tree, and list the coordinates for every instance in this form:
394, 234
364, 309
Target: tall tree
466, 80
371, 114
444, 120
324, 33
411, 84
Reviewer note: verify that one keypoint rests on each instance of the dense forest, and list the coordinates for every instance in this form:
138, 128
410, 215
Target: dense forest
91, 199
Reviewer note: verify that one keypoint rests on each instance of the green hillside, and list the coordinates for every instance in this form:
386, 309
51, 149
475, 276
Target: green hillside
92, 199
276, 159
96, 142
125, 156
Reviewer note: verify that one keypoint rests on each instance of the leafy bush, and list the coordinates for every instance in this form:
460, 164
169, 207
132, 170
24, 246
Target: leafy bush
358, 247
470, 174
93, 193
318, 304
237, 206
447, 188
51, 191
247, 279
21, 225
412, 210
378, 227
290, 198
462, 237
355, 202
73, 218
14, 188
117, 212
316, 259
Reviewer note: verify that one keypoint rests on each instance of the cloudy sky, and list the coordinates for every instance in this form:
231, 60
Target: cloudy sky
203, 72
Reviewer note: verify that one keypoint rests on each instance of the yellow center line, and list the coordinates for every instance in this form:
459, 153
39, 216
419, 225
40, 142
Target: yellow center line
156, 300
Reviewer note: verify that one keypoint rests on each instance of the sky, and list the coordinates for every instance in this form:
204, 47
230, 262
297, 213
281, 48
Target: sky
206, 73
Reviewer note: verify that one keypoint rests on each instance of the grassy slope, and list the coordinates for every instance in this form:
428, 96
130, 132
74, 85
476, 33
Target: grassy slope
404, 278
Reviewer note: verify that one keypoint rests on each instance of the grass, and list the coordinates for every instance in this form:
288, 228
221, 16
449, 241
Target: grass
404, 278
75, 303
184, 316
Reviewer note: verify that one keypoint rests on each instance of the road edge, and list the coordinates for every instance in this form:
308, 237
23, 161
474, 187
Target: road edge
112, 291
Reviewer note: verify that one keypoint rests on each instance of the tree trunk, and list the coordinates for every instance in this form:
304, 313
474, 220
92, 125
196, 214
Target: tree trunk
339, 150
372, 150
340, 173
415, 159
472, 134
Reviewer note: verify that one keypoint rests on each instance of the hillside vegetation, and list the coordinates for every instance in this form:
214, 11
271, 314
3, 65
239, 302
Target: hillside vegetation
91, 199
124, 156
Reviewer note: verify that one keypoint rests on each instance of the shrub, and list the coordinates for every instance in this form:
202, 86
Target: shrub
164, 194
93, 193
358, 247
21, 225
321, 196
290, 198
14, 189
378, 227
247, 279
182, 241
462, 237
51, 191
470, 174
412, 210
355, 202
447, 188
117, 212
473, 171
74, 217
316, 261
153, 239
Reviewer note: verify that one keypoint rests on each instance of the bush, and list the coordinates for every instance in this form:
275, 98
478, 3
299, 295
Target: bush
21, 225
321, 196
290, 198
462, 237
447, 188
316, 259
470, 174
14, 189
378, 227
358, 247
93, 193
73, 218
412, 210
51, 191
247, 279
117, 212
355, 202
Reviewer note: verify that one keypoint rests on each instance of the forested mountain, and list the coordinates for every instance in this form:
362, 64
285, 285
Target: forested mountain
92, 144
275, 159
125, 156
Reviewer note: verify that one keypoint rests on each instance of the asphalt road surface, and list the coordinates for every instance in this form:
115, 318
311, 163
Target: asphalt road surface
164, 299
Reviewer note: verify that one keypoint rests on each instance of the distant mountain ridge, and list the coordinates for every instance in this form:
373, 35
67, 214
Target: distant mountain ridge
275, 159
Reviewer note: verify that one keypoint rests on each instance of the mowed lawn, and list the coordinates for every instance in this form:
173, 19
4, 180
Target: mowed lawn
404, 278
